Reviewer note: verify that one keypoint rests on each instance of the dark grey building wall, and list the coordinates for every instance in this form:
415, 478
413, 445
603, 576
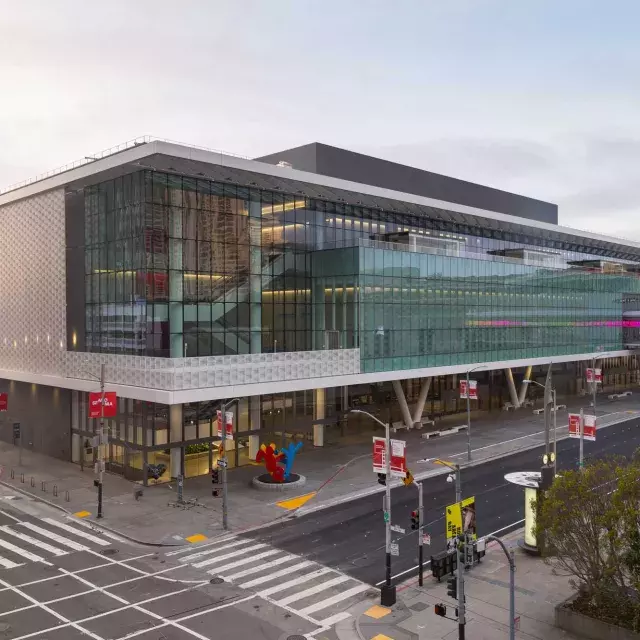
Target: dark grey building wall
44, 414
357, 167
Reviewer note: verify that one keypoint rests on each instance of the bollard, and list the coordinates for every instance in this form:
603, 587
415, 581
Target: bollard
43, 486
13, 474
22, 478
55, 490
33, 481
66, 496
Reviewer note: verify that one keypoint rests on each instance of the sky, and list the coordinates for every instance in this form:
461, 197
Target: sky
538, 97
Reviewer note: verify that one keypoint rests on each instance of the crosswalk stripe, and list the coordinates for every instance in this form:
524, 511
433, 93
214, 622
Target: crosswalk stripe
22, 552
311, 591
231, 554
34, 541
65, 542
77, 532
295, 582
323, 604
260, 567
217, 541
339, 617
275, 574
7, 564
193, 556
104, 532
239, 563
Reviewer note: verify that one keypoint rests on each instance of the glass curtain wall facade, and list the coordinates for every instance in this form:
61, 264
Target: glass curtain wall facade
179, 266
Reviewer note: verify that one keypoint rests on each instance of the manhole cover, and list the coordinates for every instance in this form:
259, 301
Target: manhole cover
296, 637
109, 552
216, 581
419, 606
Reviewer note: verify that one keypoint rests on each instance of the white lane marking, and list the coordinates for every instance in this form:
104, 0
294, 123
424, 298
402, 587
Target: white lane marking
339, 617
334, 600
231, 554
189, 617
428, 562
77, 532
22, 552
275, 574
200, 554
55, 614
4, 513
8, 564
311, 591
202, 545
260, 567
104, 532
34, 541
55, 537
295, 582
239, 563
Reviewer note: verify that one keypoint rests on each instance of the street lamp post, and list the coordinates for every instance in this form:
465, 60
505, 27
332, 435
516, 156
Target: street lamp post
388, 591
482, 366
594, 384
555, 423
222, 462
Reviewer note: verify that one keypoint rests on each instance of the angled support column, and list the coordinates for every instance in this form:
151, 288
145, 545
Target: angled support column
402, 400
524, 386
422, 399
512, 388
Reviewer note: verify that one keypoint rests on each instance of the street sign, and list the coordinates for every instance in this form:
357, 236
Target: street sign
16, 430
4, 401
397, 528
395, 549
426, 538
473, 389
386, 516
516, 623
222, 463
574, 425
398, 459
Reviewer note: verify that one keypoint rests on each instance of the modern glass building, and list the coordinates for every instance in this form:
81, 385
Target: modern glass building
293, 286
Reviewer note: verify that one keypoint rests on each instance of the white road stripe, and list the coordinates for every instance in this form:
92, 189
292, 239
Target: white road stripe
295, 582
232, 554
76, 546
34, 541
104, 532
276, 574
77, 532
334, 600
7, 564
239, 563
311, 591
21, 552
260, 567
339, 617
193, 556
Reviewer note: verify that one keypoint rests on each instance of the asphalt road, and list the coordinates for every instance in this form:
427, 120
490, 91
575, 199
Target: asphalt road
62, 580
351, 537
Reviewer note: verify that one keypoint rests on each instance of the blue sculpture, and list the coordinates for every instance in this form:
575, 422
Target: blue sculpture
289, 455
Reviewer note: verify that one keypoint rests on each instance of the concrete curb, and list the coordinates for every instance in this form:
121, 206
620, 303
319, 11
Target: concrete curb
93, 522
356, 495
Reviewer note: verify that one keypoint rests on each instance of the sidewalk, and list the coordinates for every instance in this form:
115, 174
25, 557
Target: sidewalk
151, 520
538, 590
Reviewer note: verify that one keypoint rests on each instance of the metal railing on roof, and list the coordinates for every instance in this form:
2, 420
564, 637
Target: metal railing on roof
124, 146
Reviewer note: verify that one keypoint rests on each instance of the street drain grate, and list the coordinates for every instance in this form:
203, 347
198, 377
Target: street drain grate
296, 637
216, 581
109, 552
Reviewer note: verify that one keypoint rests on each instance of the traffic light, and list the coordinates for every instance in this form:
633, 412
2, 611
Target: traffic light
415, 520
452, 587
440, 610
382, 479
215, 480
546, 477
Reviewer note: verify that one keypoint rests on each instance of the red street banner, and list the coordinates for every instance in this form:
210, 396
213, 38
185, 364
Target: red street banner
110, 408
574, 425
228, 424
598, 373
589, 428
4, 401
473, 389
398, 459
594, 373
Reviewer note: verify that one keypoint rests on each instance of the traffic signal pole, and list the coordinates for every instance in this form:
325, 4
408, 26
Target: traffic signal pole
420, 541
388, 592
101, 445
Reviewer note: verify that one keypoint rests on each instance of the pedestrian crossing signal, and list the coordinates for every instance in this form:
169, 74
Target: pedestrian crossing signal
452, 588
415, 520
440, 610
382, 479
215, 480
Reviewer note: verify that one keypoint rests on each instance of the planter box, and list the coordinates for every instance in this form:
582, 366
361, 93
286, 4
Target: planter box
586, 627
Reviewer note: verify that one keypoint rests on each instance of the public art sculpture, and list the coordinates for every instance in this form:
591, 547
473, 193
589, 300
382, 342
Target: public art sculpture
273, 458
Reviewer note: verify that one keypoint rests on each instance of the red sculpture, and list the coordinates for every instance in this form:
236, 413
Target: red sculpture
270, 458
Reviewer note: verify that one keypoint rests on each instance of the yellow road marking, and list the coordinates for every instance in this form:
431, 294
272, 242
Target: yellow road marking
82, 514
294, 503
381, 636
377, 612
198, 537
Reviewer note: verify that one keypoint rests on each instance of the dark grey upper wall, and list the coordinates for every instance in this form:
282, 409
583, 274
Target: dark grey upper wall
357, 167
